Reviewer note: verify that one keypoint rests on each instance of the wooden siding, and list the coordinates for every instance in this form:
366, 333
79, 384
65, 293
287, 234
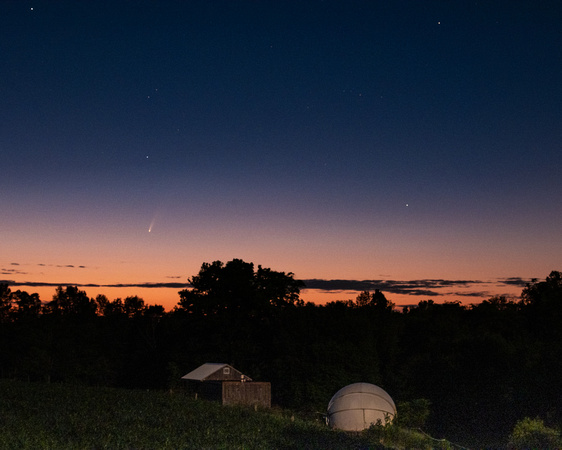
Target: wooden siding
249, 393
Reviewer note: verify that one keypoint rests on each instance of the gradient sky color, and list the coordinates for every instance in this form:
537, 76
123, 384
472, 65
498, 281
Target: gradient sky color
401, 142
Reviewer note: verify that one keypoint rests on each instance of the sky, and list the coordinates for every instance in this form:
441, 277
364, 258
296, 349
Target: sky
407, 146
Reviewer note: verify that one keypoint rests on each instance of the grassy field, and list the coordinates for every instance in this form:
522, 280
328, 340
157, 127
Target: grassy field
53, 416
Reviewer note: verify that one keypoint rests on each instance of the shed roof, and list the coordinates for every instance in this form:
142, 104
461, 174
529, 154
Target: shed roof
206, 370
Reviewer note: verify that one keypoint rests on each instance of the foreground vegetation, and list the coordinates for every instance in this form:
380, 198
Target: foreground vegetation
480, 369
56, 416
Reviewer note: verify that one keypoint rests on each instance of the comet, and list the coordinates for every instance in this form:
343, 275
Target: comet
152, 224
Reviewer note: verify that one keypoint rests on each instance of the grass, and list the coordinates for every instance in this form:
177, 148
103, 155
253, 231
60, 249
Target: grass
54, 416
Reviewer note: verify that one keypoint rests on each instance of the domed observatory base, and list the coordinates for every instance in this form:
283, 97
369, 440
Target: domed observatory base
358, 406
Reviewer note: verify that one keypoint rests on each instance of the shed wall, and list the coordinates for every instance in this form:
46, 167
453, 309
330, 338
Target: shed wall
249, 393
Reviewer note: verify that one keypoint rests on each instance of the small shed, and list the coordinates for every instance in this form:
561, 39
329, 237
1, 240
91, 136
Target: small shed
215, 372
224, 383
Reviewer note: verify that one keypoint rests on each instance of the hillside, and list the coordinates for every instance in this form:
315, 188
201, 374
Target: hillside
37, 415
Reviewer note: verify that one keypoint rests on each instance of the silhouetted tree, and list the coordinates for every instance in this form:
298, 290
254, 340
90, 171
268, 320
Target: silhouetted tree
5, 302
541, 305
541, 302
363, 299
133, 306
375, 300
102, 303
71, 301
278, 289
241, 302
235, 288
114, 308
544, 294
28, 305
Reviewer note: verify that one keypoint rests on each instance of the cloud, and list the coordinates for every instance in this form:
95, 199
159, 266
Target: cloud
516, 281
69, 266
44, 284
63, 266
151, 285
85, 285
411, 287
11, 272
417, 288
484, 294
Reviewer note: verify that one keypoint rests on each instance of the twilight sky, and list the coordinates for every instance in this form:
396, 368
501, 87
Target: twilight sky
413, 144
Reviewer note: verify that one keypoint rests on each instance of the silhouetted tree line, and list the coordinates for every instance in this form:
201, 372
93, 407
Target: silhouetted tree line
482, 367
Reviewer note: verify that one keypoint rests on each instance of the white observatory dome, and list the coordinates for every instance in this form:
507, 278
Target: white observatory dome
358, 406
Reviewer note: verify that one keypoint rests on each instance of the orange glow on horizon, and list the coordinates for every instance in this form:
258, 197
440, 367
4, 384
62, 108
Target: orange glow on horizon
169, 297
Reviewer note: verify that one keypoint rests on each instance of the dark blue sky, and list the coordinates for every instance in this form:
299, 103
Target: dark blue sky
289, 133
